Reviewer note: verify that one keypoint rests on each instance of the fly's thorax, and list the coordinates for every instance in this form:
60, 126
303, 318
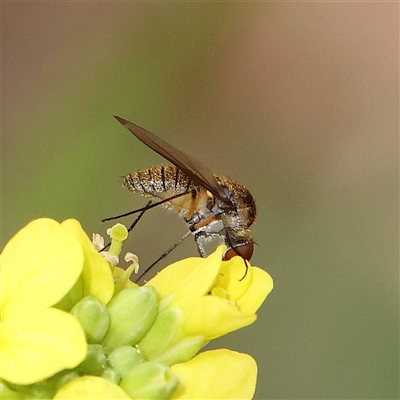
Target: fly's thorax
245, 211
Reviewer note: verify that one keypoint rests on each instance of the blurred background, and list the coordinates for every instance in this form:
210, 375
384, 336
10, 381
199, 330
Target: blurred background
297, 101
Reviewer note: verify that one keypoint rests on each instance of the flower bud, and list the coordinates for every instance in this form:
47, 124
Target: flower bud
63, 378
8, 394
181, 352
150, 381
161, 333
124, 359
39, 390
164, 302
111, 375
95, 361
132, 313
93, 317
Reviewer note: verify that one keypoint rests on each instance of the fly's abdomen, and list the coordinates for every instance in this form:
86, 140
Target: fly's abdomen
161, 181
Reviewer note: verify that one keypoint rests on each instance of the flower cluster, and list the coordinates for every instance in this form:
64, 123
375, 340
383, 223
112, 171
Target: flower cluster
73, 326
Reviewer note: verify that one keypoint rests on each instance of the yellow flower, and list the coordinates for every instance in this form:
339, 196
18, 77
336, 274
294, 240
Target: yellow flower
217, 374
96, 274
141, 339
39, 265
214, 296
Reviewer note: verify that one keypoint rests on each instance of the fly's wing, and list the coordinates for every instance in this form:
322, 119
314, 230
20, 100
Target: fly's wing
194, 169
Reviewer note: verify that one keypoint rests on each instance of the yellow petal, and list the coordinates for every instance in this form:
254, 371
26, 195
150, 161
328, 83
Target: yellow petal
90, 387
194, 276
38, 267
38, 344
261, 286
212, 317
96, 273
234, 277
217, 374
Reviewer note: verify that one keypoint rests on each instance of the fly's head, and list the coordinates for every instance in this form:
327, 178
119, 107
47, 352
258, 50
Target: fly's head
239, 243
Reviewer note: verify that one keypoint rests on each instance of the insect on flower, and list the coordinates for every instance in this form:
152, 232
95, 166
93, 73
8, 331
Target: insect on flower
212, 206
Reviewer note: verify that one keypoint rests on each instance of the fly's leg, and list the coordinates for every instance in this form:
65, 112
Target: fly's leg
200, 245
199, 236
147, 207
192, 207
139, 216
137, 219
163, 255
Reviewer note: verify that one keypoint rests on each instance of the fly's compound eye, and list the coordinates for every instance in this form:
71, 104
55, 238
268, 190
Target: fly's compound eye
245, 251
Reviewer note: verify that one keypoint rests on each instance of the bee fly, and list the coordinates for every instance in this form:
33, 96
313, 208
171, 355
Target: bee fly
212, 206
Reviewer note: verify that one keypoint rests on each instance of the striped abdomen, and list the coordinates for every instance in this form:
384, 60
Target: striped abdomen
156, 180
162, 182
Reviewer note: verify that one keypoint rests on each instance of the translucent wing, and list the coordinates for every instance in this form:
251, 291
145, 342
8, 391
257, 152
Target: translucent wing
194, 169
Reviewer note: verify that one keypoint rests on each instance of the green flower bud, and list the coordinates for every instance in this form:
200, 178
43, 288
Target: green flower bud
93, 317
124, 359
182, 351
63, 378
132, 313
150, 381
164, 302
39, 391
95, 361
7, 393
161, 333
111, 375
